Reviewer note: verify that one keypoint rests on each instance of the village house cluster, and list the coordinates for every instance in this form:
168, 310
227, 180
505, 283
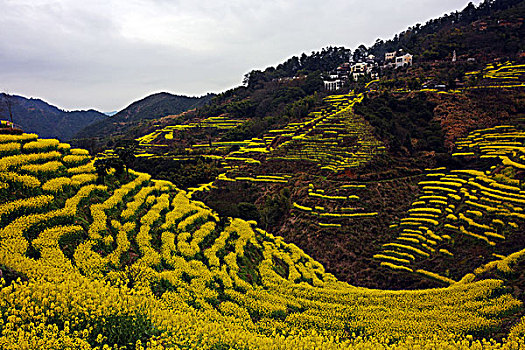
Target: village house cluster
369, 67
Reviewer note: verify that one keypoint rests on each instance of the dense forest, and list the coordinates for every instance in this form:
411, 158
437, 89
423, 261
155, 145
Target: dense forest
491, 29
35, 115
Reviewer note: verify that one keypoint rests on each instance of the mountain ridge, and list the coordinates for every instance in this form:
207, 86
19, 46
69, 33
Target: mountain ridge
151, 107
38, 116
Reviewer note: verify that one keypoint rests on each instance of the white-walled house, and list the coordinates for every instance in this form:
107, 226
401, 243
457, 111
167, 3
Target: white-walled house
333, 85
397, 59
404, 61
390, 56
361, 68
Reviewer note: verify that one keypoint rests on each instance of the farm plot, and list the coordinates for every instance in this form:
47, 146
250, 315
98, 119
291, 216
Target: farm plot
485, 205
132, 262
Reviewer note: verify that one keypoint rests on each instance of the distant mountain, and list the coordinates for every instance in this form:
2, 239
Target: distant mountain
111, 114
151, 107
48, 121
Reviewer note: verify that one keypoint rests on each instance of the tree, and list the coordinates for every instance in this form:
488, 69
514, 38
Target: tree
275, 208
360, 53
253, 79
7, 104
102, 167
313, 83
125, 151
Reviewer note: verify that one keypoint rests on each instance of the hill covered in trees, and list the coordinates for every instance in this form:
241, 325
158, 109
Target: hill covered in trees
269, 98
256, 150
493, 29
151, 107
35, 115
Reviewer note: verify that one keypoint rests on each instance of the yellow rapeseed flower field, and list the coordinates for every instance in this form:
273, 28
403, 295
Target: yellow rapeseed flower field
136, 264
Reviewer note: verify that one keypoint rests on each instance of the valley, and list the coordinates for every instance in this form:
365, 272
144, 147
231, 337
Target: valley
365, 199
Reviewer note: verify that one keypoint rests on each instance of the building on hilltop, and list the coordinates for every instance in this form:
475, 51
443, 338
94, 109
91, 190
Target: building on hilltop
397, 59
343, 71
359, 69
404, 61
337, 78
364, 68
333, 85
390, 56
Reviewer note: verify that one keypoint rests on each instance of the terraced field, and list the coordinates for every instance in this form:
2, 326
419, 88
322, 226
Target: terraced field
334, 138
345, 201
505, 75
134, 262
220, 123
484, 206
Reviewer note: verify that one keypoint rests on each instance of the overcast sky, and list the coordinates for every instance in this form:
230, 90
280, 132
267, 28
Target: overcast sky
105, 54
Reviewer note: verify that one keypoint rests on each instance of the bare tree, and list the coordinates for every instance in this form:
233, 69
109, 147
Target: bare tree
7, 104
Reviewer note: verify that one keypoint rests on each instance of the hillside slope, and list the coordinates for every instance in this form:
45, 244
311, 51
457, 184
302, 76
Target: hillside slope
151, 107
493, 29
35, 115
130, 262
